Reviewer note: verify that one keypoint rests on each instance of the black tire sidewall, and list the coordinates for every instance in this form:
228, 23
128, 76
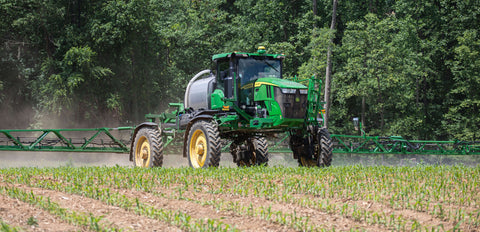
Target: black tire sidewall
211, 150
261, 150
325, 142
156, 146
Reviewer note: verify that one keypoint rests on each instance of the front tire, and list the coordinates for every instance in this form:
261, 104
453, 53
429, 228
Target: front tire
148, 148
203, 145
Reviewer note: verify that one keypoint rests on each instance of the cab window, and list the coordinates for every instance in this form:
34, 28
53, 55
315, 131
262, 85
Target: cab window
222, 72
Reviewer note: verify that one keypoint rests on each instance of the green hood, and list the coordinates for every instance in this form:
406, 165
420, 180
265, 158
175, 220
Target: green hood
282, 83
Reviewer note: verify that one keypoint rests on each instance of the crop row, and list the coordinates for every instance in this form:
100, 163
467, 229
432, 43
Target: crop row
4, 227
86, 220
446, 194
91, 222
406, 185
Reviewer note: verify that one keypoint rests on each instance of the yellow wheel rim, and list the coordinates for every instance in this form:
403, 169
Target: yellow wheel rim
142, 152
198, 149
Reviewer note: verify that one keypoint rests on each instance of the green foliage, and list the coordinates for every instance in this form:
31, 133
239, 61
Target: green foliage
77, 80
414, 63
462, 119
4, 227
318, 60
32, 221
381, 67
378, 196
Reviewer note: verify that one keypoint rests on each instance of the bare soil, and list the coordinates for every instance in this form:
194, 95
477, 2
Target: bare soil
200, 205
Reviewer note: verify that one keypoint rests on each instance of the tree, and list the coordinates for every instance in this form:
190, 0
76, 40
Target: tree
406, 67
378, 78
438, 25
328, 72
78, 84
318, 46
461, 120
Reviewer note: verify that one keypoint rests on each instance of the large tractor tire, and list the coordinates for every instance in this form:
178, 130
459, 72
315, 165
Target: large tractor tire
148, 148
203, 145
326, 148
315, 150
253, 151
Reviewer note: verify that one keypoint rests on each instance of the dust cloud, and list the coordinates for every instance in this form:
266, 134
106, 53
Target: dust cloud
404, 160
14, 159
9, 159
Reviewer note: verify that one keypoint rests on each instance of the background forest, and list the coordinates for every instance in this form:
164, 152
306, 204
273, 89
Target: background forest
405, 67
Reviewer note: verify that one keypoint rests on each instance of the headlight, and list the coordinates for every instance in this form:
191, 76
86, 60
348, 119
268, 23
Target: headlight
303, 91
289, 91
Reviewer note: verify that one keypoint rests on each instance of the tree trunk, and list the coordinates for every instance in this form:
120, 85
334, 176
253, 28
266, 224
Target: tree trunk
328, 74
380, 102
363, 114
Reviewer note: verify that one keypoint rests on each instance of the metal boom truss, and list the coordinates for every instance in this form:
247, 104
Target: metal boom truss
117, 140
94, 140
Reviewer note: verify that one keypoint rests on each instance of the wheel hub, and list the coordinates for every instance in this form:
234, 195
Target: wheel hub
144, 153
200, 149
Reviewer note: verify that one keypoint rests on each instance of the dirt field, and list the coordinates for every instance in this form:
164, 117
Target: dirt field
280, 198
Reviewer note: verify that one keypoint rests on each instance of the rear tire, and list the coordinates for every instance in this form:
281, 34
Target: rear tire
203, 145
148, 148
313, 151
252, 152
326, 148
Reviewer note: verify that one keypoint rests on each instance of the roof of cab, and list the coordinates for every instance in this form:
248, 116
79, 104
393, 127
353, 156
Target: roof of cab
246, 54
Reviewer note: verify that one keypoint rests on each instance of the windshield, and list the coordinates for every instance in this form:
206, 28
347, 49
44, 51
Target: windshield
251, 69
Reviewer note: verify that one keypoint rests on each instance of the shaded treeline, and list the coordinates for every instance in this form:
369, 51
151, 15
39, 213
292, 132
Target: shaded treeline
405, 67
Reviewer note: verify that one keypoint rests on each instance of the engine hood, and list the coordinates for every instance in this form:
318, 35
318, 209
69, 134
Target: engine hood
277, 82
